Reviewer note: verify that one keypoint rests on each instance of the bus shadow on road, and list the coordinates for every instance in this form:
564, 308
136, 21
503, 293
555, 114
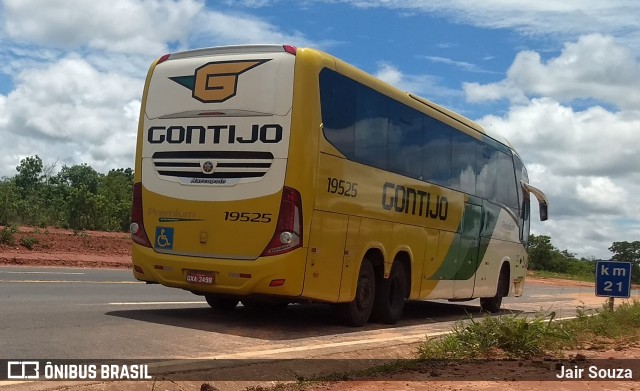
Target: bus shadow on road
296, 321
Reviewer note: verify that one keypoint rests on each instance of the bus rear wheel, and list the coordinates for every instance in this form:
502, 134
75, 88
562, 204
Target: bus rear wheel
390, 296
357, 312
221, 303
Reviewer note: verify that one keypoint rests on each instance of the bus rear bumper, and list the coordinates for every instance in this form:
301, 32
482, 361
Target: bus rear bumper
280, 275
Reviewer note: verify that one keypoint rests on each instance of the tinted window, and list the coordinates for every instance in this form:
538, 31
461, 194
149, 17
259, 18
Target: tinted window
372, 116
338, 107
487, 169
405, 138
371, 128
525, 215
506, 192
463, 162
436, 152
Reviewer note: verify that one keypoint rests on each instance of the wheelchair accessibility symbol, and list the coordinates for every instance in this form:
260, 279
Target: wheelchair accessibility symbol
164, 238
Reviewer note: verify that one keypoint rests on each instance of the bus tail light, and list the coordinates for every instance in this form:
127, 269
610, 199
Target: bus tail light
288, 234
138, 233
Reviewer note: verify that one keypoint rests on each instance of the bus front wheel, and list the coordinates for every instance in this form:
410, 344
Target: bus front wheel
493, 304
221, 303
357, 312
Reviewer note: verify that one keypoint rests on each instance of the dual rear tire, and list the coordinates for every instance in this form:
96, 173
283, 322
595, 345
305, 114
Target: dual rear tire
357, 312
378, 299
221, 303
391, 295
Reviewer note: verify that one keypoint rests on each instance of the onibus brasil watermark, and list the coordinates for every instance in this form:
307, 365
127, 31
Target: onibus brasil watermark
48, 370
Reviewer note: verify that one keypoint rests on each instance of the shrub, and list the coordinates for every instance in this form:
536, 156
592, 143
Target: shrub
514, 336
29, 242
7, 235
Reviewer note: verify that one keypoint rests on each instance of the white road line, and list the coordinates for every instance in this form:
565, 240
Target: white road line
68, 282
159, 303
54, 273
368, 341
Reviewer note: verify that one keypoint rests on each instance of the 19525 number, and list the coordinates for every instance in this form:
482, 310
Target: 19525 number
342, 187
248, 217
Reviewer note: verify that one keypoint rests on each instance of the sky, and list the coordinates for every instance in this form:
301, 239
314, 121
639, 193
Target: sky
559, 79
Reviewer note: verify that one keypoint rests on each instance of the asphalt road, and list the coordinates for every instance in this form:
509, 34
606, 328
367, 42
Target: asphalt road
55, 313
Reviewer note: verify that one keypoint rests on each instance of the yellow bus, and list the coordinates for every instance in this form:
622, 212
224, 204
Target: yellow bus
273, 174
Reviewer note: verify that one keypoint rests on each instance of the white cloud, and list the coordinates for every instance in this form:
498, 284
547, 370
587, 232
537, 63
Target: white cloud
130, 26
594, 67
585, 159
217, 28
560, 19
250, 3
78, 69
422, 85
136, 26
589, 142
463, 65
72, 112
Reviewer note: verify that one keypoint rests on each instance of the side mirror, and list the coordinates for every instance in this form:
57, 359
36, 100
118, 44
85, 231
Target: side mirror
544, 211
543, 202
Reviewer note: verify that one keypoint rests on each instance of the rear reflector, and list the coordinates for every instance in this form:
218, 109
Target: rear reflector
275, 283
288, 234
138, 269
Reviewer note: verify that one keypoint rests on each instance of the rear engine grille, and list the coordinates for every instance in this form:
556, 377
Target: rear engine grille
213, 164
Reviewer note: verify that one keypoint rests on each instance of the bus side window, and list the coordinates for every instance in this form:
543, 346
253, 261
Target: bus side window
338, 101
525, 203
405, 137
372, 119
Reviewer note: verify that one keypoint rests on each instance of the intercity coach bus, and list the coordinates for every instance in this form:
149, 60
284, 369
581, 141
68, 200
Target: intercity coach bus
273, 174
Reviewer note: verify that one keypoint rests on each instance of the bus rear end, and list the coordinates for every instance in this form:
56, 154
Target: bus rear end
211, 212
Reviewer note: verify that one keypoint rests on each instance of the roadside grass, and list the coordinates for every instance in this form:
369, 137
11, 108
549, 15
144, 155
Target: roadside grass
504, 337
621, 324
517, 337
564, 276
512, 336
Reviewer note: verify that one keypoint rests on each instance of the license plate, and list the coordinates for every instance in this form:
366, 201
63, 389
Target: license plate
200, 277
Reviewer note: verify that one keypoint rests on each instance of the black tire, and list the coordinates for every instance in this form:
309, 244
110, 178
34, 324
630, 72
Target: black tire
221, 303
493, 304
390, 296
357, 312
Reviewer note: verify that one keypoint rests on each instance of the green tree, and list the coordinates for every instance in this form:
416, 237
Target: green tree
9, 201
117, 190
77, 197
85, 208
81, 175
30, 174
540, 252
628, 252
29, 182
545, 256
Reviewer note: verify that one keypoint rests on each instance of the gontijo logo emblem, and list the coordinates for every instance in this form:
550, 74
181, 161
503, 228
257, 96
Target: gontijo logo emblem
216, 82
